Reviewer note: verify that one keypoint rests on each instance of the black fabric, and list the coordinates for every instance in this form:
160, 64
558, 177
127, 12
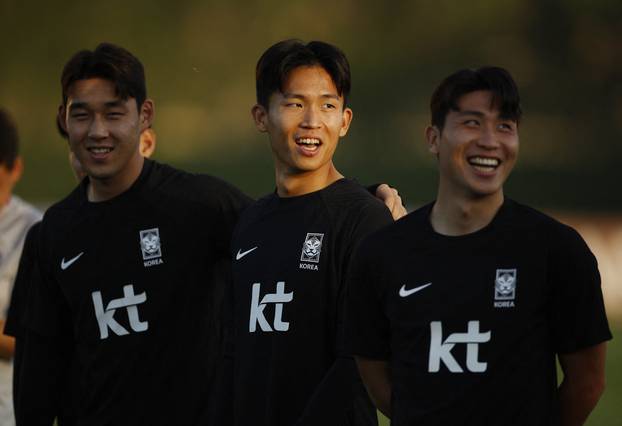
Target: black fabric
28, 268
290, 369
164, 303
556, 306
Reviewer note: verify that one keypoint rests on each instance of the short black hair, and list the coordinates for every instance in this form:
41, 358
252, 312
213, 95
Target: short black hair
493, 79
283, 57
109, 62
9, 141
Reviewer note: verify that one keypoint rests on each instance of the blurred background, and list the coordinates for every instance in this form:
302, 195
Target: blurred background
566, 56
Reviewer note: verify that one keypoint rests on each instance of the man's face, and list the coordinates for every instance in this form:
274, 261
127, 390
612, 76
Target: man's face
104, 130
476, 149
304, 121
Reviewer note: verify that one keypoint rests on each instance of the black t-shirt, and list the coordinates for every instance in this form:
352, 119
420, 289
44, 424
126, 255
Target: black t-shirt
470, 325
291, 257
131, 283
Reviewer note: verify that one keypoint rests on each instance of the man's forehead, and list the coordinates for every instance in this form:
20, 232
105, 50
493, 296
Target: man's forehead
480, 103
309, 78
94, 90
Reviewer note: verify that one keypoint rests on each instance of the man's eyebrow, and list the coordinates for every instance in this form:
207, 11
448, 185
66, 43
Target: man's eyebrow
471, 112
301, 96
109, 104
76, 105
112, 104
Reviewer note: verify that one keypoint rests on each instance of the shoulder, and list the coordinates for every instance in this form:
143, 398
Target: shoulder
348, 201
412, 229
64, 210
524, 217
558, 238
166, 183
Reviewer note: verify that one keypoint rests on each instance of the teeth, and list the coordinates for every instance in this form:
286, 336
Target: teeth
100, 150
308, 141
482, 161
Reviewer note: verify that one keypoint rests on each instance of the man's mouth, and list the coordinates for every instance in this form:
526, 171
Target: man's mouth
484, 164
100, 149
308, 145
100, 153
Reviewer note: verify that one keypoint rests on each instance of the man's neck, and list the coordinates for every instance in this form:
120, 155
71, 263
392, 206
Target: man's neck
4, 201
99, 190
290, 184
455, 216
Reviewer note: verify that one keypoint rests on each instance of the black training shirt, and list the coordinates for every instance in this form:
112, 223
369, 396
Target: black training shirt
130, 283
470, 325
290, 261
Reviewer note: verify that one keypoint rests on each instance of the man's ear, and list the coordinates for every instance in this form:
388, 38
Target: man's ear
147, 143
433, 138
147, 114
260, 115
61, 120
16, 171
345, 121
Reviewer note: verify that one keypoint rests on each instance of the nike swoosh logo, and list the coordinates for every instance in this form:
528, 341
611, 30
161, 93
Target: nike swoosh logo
64, 265
406, 293
241, 254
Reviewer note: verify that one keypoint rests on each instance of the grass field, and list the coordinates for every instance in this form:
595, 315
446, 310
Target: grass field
608, 412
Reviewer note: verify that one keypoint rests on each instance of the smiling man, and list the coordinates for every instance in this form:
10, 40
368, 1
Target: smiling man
458, 311
292, 250
124, 314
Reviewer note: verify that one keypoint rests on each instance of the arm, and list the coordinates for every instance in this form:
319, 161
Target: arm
375, 375
583, 383
41, 379
7, 344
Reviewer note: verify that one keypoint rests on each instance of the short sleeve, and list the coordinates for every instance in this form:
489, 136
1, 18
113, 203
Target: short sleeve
578, 312
26, 272
367, 329
47, 311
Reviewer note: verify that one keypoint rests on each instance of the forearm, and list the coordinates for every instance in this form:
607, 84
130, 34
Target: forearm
376, 377
583, 384
333, 396
577, 401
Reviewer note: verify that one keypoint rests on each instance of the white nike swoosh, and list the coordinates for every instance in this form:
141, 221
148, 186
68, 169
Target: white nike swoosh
406, 293
64, 265
241, 254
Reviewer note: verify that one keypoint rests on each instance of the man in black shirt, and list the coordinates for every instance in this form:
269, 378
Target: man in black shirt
292, 249
457, 312
126, 287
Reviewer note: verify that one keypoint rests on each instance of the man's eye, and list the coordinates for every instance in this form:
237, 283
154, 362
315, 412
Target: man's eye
329, 106
471, 122
293, 105
79, 115
115, 114
506, 127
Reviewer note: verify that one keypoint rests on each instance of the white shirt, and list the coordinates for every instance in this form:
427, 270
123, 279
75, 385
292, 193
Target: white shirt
15, 219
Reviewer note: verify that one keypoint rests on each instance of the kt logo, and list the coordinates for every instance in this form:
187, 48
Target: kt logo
129, 301
257, 307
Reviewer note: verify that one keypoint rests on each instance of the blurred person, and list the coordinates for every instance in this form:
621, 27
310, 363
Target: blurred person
126, 289
458, 311
292, 250
130, 263
16, 217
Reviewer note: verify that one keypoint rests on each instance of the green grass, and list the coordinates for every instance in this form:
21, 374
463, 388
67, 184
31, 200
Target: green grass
608, 412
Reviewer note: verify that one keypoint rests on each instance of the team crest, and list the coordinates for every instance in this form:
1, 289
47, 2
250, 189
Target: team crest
505, 287
312, 248
150, 246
